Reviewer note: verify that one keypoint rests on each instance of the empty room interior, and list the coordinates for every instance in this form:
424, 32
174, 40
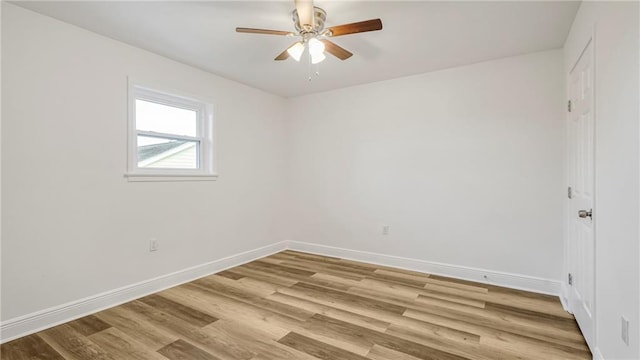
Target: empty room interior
320, 180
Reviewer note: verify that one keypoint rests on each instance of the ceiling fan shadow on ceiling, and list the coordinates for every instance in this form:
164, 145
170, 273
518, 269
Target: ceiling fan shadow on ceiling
309, 25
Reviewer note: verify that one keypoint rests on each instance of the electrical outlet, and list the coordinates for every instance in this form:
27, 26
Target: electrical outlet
624, 330
385, 229
153, 245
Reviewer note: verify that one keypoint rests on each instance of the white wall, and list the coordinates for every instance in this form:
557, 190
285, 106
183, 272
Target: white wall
465, 165
617, 194
72, 225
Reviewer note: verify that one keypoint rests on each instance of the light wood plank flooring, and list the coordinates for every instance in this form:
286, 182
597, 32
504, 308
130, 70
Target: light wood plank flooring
298, 306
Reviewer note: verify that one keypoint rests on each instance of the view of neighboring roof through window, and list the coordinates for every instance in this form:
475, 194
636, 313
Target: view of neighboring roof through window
162, 151
170, 135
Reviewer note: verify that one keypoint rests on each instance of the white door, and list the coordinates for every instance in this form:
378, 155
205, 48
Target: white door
581, 180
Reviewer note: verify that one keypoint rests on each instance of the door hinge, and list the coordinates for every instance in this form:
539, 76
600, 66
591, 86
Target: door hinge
569, 192
570, 279
569, 105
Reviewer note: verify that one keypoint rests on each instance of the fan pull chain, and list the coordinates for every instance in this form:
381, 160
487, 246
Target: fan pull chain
311, 71
309, 65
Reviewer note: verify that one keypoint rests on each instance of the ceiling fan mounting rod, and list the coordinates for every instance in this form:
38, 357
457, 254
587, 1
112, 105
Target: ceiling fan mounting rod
319, 17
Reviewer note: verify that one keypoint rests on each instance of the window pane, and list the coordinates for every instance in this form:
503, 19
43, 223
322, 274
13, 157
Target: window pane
162, 153
166, 119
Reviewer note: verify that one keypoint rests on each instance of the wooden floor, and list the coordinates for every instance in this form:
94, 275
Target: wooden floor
297, 306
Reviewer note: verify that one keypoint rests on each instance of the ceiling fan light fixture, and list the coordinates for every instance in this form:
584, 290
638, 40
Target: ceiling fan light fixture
316, 58
316, 47
316, 50
296, 50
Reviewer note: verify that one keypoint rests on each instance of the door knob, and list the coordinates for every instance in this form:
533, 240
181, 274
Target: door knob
585, 213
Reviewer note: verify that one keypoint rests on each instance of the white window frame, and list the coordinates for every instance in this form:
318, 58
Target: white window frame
204, 136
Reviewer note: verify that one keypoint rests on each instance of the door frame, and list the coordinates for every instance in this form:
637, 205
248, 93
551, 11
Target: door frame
569, 213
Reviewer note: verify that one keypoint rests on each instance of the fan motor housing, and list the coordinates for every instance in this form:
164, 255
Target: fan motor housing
319, 17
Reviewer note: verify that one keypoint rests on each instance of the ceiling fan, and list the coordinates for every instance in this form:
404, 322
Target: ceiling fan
309, 24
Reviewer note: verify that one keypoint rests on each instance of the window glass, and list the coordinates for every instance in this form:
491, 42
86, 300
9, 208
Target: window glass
163, 153
151, 116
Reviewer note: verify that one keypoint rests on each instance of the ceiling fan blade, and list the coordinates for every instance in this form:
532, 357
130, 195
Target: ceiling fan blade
262, 31
283, 55
305, 13
295, 51
358, 27
335, 50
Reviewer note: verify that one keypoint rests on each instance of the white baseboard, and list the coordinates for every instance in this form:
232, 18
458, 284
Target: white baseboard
515, 281
597, 355
40, 320
564, 297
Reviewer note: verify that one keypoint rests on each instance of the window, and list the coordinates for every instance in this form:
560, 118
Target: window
170, 137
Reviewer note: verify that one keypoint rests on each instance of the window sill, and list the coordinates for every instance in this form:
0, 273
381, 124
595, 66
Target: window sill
169, 177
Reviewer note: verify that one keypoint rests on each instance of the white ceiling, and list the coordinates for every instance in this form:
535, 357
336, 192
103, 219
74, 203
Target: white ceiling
418, 36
